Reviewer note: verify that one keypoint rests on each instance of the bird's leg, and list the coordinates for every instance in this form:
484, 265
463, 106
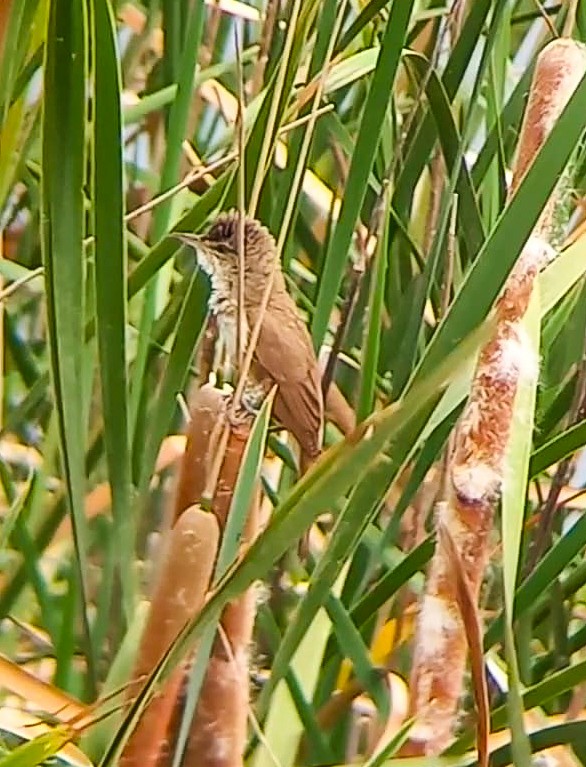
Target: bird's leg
249, 407
238, 415
251, 400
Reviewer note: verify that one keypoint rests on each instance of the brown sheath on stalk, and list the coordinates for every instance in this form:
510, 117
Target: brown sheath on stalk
284, 352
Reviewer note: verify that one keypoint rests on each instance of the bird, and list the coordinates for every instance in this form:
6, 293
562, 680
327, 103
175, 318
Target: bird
284, 355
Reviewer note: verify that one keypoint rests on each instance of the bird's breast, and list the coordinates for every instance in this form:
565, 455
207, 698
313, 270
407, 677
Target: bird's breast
226, 312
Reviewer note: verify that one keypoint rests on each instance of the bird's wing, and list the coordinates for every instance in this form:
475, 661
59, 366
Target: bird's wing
285, 353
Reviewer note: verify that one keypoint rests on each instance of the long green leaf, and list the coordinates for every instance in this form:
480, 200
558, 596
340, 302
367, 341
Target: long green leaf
63, 166
110, 283
373, 116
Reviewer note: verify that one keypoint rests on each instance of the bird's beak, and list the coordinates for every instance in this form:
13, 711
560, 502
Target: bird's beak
193, 240
205, 256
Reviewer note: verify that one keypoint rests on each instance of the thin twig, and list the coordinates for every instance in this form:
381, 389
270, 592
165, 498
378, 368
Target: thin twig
240, 326
192, 176
306, 118
569, 500
14, 286
266, 40
450, 258
545, 16
268, 145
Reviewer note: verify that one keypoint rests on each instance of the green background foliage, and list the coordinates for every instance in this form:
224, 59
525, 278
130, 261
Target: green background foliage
103, 314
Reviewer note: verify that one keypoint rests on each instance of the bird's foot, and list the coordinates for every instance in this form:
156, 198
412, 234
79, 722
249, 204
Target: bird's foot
238, 416
249, 409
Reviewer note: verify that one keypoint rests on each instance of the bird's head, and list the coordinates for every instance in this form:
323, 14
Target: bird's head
217, 249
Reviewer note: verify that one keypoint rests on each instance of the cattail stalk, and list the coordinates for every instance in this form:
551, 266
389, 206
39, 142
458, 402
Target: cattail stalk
218, 732
184, 579
476, 464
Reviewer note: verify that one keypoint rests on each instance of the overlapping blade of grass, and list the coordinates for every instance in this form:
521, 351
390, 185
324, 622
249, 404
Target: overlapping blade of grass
517, 459
185, 44
39, 749
371, 347
558, 448
17, 504
469, 220
506, 127
541, 579
95, 739
421, 144
22, 541
359, 511
47, 527
182, 47
354, 648
512, 518
152, 102
363, 157
260, 146
541, 694
24, 30
501, 249
284, 726
314, 734
352, 521
190, 325
561, 275
14, 48
412, 329
63, 178
392, 581
338, 469
110, 285
298, 148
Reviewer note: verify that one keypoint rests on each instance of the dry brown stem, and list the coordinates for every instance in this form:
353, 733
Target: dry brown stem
5, 8
266, 38
476, 464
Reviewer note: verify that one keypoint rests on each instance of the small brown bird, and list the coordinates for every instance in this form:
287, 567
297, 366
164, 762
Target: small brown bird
284, 353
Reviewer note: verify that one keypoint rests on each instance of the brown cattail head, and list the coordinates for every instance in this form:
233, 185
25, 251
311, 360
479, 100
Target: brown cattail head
476, 465
560, 67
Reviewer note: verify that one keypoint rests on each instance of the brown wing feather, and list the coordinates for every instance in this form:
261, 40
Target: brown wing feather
285, 354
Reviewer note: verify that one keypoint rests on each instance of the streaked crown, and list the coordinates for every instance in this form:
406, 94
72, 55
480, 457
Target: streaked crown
222, 236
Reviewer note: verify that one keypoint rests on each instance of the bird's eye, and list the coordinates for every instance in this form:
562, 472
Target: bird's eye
224, 249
